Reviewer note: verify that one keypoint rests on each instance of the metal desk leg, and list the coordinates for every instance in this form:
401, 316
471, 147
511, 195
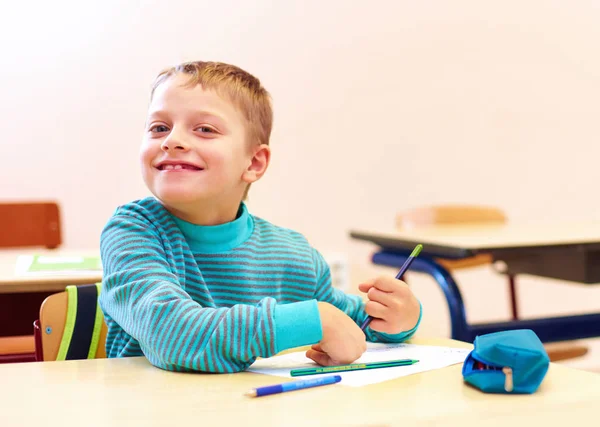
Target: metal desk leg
422, 264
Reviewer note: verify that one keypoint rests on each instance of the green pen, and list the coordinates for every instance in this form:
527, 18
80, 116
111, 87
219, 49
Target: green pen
351, 367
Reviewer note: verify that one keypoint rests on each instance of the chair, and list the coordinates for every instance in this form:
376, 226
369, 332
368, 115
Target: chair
473, 214
459, 214
22, 225
17, 349
71, 325
29, 225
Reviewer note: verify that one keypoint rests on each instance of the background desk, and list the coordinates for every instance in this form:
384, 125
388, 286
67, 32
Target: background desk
48, 282
21, 296
131, 392
560, 251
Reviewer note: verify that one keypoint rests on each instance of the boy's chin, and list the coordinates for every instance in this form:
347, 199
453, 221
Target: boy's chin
175, 198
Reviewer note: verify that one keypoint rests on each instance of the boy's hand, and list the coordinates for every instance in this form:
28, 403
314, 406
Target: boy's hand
343, 342
391, 304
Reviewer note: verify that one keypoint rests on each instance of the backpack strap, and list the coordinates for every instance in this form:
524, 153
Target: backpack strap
83, 323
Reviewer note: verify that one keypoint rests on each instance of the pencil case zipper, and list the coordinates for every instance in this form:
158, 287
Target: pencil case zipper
490, 368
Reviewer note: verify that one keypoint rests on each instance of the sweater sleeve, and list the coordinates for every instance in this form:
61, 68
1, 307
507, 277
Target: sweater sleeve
142, 294
353, 305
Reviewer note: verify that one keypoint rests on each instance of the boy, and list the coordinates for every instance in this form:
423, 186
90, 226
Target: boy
192, 280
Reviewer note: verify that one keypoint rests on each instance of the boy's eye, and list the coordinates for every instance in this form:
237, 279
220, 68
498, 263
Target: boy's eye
159, 129
205, 129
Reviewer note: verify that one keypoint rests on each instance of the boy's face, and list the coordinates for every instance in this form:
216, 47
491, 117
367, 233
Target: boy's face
194, 149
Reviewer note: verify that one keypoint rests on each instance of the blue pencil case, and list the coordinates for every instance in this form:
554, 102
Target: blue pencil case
510, 362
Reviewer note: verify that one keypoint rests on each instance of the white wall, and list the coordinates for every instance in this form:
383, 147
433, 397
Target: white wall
379, 106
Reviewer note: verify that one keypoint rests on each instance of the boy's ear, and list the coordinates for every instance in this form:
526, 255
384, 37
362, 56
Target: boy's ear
258, 164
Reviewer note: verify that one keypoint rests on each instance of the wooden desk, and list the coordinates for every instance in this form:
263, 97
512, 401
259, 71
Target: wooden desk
21, 296
131, 392
12, 283
567, 251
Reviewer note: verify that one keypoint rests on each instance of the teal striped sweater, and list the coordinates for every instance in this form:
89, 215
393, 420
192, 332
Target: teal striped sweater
212, 298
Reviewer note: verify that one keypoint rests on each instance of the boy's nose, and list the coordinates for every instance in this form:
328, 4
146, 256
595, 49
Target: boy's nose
172, 142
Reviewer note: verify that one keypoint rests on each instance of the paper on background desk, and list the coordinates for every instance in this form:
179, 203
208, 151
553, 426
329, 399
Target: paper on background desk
27, 265
429, 357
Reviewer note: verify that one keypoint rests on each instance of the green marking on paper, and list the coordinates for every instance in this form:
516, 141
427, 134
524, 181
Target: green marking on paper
63, 263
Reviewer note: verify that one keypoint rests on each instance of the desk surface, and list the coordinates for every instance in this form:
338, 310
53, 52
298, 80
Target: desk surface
131, 392
468, 240
12, 283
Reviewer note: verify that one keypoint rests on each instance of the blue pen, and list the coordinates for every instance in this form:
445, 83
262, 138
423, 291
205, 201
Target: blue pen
294, 385
403, 269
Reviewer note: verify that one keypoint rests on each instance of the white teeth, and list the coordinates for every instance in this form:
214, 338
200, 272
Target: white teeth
168, 167
178, 167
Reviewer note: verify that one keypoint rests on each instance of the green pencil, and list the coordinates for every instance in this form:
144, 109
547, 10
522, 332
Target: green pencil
351, 367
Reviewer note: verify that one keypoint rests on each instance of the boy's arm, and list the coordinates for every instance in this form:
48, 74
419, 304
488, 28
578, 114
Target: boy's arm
352, 305
142, 294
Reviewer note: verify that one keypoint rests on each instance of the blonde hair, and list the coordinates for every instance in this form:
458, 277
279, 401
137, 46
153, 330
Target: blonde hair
238, 86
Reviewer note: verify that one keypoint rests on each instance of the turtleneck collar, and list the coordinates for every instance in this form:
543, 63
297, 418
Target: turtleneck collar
218, 238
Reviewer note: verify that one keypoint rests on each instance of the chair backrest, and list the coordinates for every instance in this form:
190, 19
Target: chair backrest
29, 225
449, 214
71, 325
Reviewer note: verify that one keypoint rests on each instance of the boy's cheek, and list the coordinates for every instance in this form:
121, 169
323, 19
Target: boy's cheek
146, 157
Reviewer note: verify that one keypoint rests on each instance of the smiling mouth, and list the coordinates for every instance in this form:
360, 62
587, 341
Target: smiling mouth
178, 167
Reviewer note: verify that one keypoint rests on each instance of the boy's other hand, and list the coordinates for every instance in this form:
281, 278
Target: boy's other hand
343, 342
392, 305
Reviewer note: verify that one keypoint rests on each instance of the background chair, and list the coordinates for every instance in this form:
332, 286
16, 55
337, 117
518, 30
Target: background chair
472, 214
71, 326
459, 214
24, 225
29, 225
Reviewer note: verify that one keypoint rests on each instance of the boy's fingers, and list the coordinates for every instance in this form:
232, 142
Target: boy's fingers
388, 284
319, 357
381, 297
364, 287
376, 309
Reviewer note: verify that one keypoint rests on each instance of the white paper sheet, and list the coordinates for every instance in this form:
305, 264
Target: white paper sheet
429, 357
24, 262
